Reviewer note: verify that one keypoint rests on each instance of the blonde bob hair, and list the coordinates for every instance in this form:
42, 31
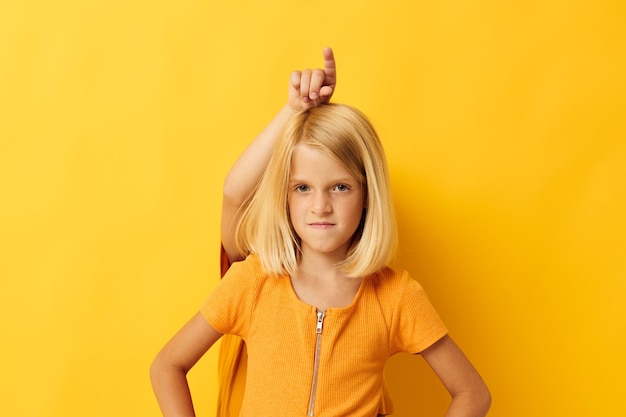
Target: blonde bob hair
345, 134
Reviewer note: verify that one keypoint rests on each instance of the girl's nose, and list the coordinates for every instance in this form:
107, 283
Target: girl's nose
321, 203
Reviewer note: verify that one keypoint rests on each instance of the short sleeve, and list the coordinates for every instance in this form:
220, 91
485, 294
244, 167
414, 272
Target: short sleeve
229, 306
416, 325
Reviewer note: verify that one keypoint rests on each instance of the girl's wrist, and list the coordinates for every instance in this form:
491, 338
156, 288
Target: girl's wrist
289, 110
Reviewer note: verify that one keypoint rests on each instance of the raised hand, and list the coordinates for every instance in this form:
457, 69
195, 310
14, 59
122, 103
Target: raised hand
310, 88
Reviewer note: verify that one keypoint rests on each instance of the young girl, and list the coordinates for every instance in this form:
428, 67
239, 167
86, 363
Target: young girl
318, 308
307, 89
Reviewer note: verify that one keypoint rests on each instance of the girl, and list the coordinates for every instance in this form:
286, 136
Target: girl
314, 300
307, 89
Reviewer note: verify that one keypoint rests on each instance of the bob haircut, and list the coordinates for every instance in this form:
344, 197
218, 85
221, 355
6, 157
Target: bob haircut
345, 134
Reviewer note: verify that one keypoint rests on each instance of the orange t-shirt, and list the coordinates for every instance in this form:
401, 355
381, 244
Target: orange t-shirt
390, 313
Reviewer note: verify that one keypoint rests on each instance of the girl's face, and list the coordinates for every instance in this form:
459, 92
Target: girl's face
325, 202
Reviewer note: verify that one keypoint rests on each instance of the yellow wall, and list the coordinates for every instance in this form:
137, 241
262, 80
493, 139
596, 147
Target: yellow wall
505, 131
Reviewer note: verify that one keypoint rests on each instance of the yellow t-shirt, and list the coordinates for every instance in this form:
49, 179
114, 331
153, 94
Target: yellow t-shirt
390, 313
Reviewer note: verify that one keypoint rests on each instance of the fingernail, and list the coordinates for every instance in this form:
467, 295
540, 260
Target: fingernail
313, 95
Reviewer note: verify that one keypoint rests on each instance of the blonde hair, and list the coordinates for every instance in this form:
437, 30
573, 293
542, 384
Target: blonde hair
345, 134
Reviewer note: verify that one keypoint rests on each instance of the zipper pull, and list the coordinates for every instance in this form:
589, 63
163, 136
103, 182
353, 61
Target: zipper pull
320, 321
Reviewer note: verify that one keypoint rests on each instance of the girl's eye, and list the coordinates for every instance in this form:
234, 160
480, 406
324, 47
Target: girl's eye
302, 188
341, 187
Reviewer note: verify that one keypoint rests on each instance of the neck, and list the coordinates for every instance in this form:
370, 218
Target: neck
319, 282
320, 265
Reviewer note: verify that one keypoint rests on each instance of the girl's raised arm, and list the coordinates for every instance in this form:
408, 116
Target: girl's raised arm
307, 88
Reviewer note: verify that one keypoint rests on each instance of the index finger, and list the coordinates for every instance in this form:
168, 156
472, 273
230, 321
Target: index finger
330, 67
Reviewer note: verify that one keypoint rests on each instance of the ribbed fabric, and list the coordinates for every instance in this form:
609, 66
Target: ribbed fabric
232, 369
390, 313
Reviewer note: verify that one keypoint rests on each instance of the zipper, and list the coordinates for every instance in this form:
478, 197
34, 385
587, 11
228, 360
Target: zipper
316, 362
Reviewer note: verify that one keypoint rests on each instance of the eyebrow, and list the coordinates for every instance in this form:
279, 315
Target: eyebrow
334, 181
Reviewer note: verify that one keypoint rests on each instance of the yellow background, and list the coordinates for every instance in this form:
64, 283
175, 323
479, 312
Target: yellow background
504, 124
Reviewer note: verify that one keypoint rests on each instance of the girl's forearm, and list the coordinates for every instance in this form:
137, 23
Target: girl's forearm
172, 391
470, 404
249, 167
169, 369
243, 177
